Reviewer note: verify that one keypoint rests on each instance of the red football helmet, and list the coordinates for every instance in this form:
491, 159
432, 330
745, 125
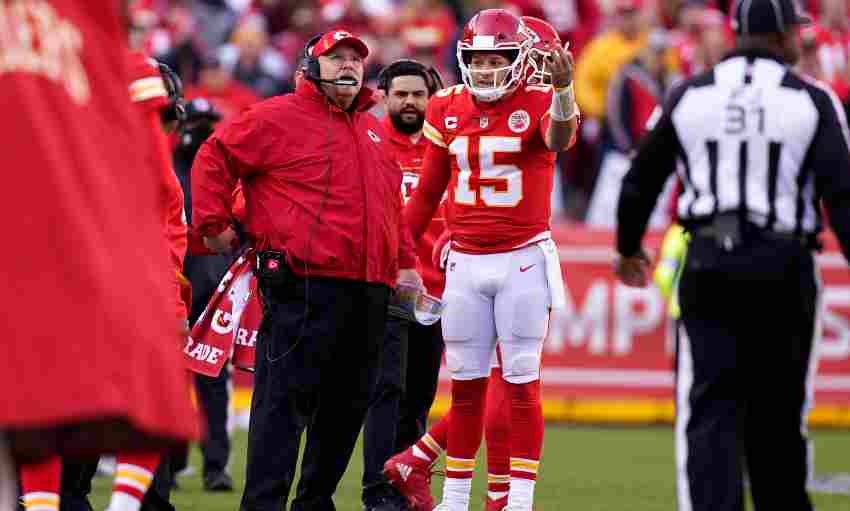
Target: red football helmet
545, 40
494, 30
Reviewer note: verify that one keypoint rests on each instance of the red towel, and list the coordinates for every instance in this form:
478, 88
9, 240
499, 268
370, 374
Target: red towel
228, 326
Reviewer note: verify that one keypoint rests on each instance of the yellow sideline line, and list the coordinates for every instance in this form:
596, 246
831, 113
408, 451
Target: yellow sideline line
628, 412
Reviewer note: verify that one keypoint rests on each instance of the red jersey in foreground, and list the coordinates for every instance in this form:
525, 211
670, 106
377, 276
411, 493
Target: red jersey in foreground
91, 339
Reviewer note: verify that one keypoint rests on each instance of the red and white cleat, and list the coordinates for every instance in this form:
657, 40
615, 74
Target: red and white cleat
412, 477
499, 504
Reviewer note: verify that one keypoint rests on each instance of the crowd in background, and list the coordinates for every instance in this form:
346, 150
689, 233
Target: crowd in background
628, 52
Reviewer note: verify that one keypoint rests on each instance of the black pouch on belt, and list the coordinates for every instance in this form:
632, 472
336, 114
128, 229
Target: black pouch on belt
273, 268
727, 231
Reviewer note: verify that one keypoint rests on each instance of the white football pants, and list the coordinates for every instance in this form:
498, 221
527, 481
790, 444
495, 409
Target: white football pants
500, 297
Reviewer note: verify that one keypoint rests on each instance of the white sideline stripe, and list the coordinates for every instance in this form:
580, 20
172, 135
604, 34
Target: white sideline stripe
685, 364
607, 254
642, 378
607, 377
589, 254
811, 375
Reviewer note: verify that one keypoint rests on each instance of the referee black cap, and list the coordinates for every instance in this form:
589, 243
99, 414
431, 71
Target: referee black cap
753, 17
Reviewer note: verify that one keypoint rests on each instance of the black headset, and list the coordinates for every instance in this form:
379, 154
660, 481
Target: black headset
309, 63
432, 77
176, 110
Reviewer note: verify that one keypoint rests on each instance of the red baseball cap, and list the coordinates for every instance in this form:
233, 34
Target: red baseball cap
336, 37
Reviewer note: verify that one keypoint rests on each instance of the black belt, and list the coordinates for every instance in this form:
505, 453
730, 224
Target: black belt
805, 240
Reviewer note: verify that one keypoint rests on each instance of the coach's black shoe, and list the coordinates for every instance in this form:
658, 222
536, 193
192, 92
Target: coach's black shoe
218, 481
384, 497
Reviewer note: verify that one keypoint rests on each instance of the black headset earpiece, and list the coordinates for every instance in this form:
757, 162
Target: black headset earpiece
174, 88
436, 81
382, 79
309, 63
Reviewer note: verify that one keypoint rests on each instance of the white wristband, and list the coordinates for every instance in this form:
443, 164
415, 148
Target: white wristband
563, 104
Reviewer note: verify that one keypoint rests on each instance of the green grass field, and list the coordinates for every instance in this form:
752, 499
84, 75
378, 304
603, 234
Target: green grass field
583, 468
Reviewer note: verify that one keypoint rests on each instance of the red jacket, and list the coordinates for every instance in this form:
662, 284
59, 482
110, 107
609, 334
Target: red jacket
297, 155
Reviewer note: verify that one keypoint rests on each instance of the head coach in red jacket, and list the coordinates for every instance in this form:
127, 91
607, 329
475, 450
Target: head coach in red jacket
323, 209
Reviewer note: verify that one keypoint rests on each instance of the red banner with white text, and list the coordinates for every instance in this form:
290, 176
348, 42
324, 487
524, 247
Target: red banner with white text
613, 341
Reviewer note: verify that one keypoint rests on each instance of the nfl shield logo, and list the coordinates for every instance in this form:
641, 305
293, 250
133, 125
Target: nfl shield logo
483, 122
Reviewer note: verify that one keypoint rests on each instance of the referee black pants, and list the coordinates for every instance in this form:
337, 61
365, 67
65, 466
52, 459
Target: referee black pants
744, 376
316, 374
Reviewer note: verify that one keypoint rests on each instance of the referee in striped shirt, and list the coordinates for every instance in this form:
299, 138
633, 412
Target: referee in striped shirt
757, 148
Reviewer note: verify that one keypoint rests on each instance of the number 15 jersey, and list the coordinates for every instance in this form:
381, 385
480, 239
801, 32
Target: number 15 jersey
500, 169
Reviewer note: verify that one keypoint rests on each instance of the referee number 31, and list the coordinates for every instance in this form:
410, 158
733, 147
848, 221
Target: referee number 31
739, 118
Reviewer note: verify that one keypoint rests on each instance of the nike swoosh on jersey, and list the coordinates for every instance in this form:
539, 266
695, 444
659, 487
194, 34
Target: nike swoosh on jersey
524, 269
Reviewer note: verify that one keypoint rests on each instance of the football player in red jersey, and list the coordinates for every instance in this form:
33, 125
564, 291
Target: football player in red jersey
158, 105
493, 144
76, 148
497, 415
497, 418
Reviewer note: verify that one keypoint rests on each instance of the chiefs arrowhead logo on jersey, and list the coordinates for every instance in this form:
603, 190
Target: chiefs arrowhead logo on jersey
519, 121
375, 138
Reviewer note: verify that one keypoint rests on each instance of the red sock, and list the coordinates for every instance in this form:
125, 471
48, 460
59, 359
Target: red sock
133, 477
526, 429
433, 443
497, 434
40, 484
146, 460
466, 427
440, 431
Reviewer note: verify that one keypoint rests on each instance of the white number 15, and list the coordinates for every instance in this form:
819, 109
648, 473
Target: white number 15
511, 175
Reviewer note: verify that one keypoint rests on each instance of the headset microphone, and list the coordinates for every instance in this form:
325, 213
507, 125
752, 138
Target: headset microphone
351, 82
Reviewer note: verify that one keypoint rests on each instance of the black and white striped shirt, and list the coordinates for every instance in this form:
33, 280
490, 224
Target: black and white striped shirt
749, 136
